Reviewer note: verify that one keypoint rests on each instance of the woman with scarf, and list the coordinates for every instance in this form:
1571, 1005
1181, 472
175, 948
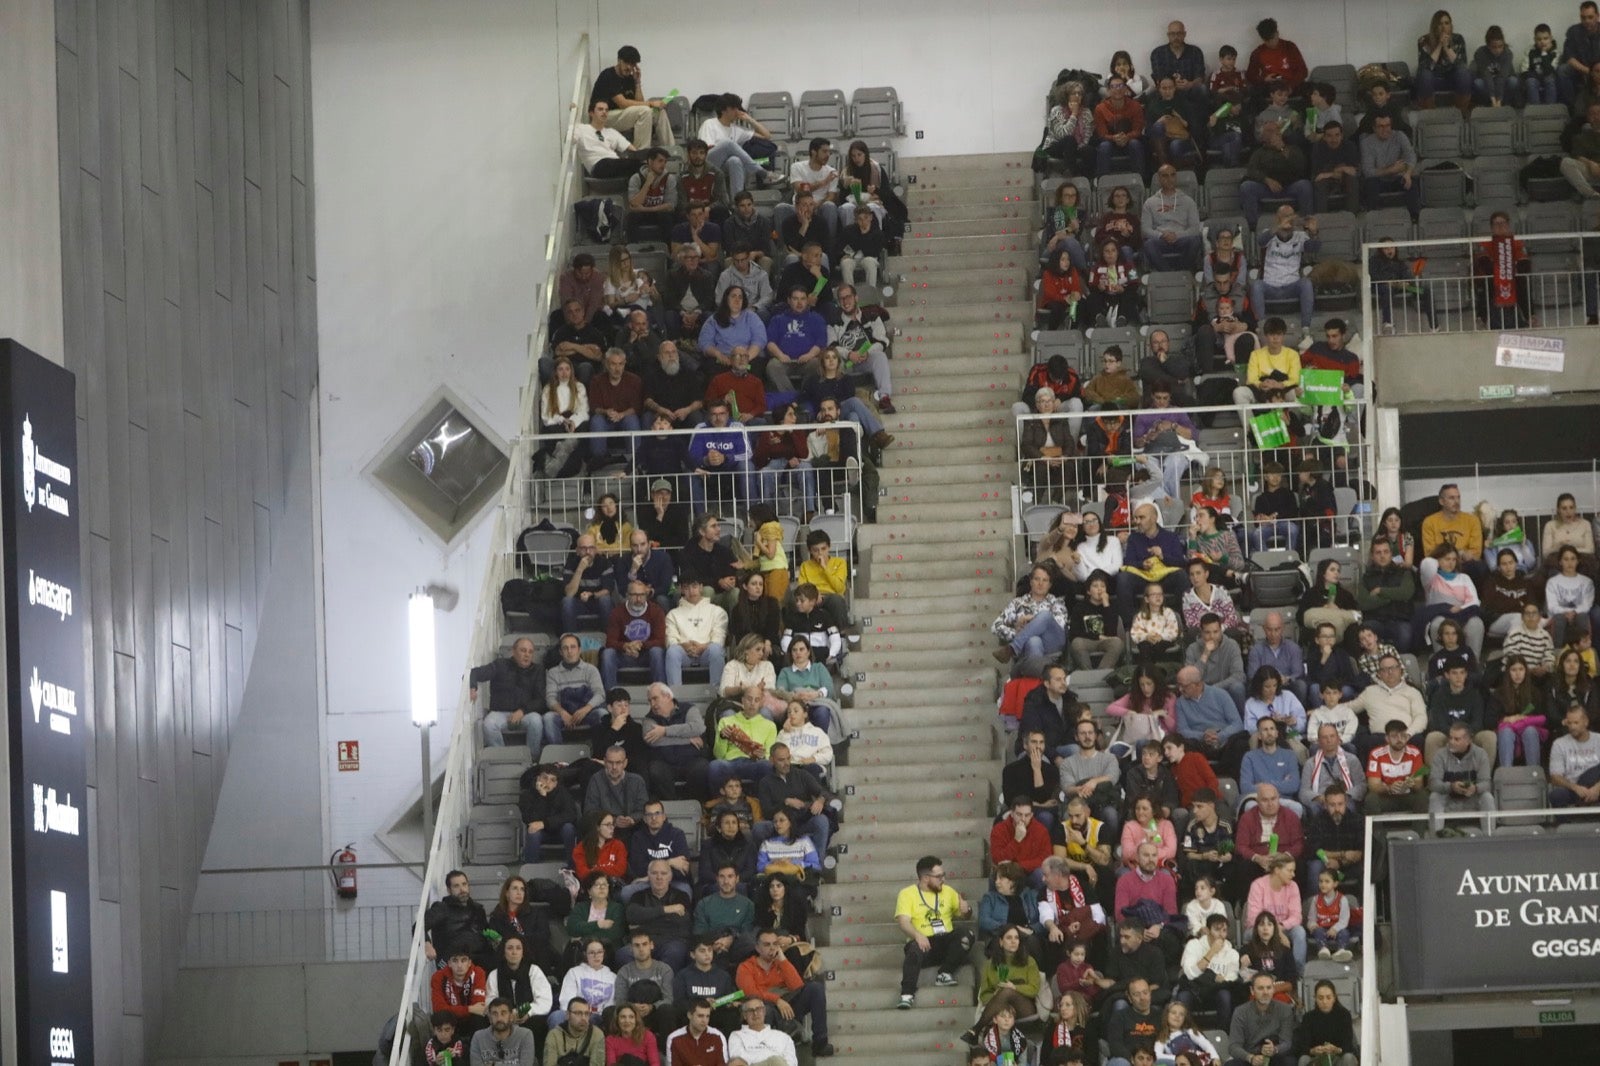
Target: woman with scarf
1061, 297
1009, 982
523, 984
1069, 129
1063, 225
516, 916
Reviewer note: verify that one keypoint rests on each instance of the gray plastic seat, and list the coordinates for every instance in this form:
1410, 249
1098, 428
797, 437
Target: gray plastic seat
824, 113
1222, 192
876, 112
1492, 131
1495, 179
775, 111
1124, 180
1169, 294
1340, 234
1540, 128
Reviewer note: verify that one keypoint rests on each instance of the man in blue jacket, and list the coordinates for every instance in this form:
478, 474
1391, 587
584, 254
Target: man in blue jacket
795, 339
516, 685
1208, 719
719, 457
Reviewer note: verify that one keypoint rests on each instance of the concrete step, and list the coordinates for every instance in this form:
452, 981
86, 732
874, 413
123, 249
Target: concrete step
859, 836
1015, 244
966, 878
864, 1015
942, 1045
913, 267
1007, 282
964, 566
930, 595
949, 679
935, 512
995, 210
947, 191
977, 452
972, 803
900, 549
953, 493
950, 421
924, 754
970, 627
874, 742
869, 791
969, 637
936, 655
1016, 225
937, 344
910, 405
974, 304
971, 702
1004, 369
909, 846
902, 874
964, 386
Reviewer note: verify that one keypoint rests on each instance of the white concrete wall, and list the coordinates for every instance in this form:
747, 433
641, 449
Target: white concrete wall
973, 76
434, 127
30, 191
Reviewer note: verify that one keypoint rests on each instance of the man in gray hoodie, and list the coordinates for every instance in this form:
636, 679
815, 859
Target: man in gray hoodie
1171, 225
572, 690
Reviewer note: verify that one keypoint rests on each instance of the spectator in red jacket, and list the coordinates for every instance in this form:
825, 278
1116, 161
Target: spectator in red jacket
636, 635
1018, 838
1190, 769
1264, 830
462, 989
1275, 59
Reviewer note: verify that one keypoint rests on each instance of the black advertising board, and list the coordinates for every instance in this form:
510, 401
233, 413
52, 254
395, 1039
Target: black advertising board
39, 484
1480, 914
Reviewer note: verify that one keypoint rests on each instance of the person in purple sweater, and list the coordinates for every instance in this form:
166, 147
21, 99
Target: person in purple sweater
719, 457
1157, 554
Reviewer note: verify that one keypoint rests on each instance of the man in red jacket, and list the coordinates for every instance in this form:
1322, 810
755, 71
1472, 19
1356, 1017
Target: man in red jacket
462, 989
1275, 59
1263, 830
1018, 838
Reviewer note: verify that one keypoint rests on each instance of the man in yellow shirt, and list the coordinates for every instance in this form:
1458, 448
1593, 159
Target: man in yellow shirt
1455, 527
927, 913
1273, 373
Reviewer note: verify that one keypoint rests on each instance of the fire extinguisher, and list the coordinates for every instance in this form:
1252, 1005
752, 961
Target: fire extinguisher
342, 869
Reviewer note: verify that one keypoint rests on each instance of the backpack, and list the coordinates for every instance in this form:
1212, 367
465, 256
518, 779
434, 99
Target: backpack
598, 219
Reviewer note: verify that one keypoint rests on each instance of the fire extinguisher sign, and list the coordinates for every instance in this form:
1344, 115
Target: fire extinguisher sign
349, 755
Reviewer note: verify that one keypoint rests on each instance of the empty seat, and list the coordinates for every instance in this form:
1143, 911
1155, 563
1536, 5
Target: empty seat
1438, 134
1123, 180
1340, 235
775, 111
1386, 223
1557, 217
1540, 129
876, 112
1067, 342
1169, 294
1492, 131
824, 113
1520, 788
1495, 179
1222, 191
1444, 184
563, 754
493, 836
1440, 222
495, 777
1037, 517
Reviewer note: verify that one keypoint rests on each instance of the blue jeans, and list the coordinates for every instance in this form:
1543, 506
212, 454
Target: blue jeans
1428, 84
1322, 938
1506, 750
597, 609
861, 415
1105, 151
495, 723
1168, 468
1503, 88
1251, 193
803, 478
1396, 631
555, 732
746, 770
723, 491
612, 660
1540, 90
1562, 797
677, 658
1280, 530
600, 424
814, 826
736, 162
534, 841
1260, 291
1040, 637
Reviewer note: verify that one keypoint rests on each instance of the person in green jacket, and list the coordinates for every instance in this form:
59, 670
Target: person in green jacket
596, 916
1010, 980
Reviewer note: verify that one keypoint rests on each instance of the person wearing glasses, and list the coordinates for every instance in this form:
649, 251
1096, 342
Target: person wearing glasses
927, 912
760, 1044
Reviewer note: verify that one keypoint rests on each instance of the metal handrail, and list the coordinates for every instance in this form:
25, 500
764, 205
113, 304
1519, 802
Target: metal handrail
444, 850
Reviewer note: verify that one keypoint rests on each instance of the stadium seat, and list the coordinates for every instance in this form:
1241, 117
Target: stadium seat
1540, 129
1169, 294
563, 754
493, 836
1495, 180
774, 111
1275, 588
1340, 234
1037, 517
1125, 337
1348, 558
1520, 788
544, 871
1344, 976
1342, 76
824, 113
1393, 223
1257, 619
1222, 192
876, 112
495, 777
1558, 217
1444, 184
1438, 134
1492, 131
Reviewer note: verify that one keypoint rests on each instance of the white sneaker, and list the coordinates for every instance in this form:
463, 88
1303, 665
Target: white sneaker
1323, 952
852, 471
1343, 955
944, 979
906, 1002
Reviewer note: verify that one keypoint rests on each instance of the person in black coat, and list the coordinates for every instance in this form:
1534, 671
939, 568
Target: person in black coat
1327, 1029
728, 846
516, 692
547, 810
1051, 709
458, 922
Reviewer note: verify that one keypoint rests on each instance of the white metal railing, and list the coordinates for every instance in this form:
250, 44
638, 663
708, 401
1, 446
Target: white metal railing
1375, 951
1446, 293
455, 800
303, 935
1047, 485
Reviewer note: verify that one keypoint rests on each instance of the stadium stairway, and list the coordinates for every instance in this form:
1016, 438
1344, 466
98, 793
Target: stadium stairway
922, 774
